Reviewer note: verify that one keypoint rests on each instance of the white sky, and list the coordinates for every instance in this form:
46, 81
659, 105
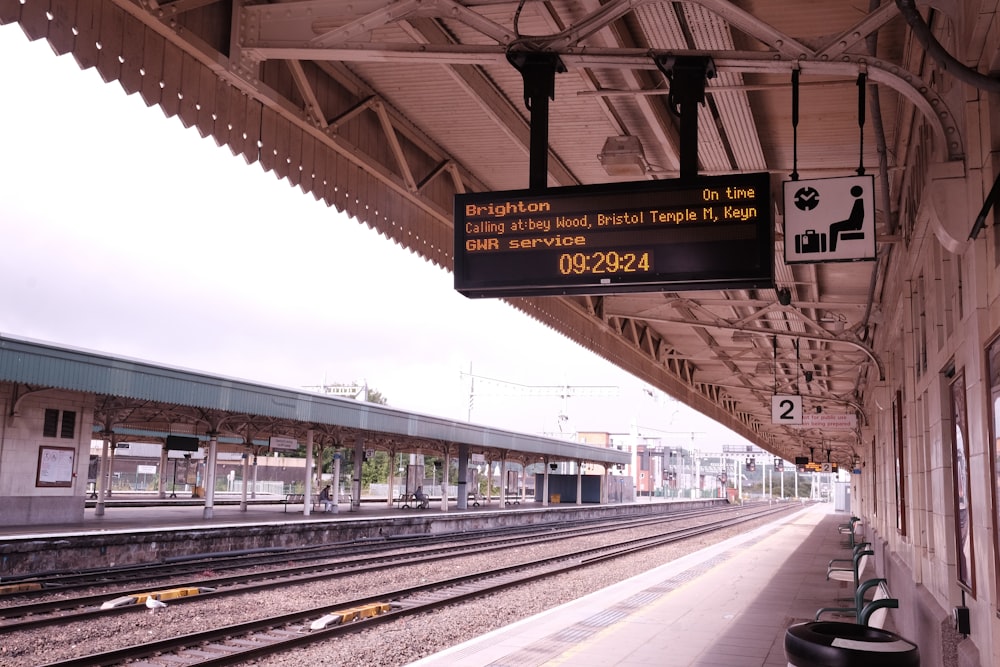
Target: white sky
123, 232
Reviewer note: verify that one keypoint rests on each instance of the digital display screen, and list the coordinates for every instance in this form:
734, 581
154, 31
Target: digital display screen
709, 232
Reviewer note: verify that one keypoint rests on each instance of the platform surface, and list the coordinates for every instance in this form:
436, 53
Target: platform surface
726, 605
131, 512
148, 512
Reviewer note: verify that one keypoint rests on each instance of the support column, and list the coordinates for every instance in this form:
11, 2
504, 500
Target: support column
391, 482
310, 462
213, 449
359, 457
245, 479
336, 481
545, 482
162, 477
489, 482
739, 482
770, 486
462, 502
102, 475
579, 482
445, 469
503, 479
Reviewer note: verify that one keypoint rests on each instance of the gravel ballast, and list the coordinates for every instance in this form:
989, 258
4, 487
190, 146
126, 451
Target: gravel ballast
387, 645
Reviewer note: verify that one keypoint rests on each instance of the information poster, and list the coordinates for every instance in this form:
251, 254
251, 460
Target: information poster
55, 466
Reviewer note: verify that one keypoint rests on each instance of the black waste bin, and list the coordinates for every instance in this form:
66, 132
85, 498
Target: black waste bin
833, 644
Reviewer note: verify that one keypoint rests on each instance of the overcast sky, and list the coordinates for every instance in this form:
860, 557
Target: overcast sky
123, 232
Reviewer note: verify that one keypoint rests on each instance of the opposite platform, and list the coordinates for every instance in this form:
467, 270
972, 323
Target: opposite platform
728, 604
158, 531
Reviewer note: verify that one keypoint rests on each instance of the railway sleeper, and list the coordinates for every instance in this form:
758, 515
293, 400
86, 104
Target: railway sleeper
11, 589
169, 594
342, 616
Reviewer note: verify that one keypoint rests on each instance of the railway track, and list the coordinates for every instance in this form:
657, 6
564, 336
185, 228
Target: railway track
242, 642
42, 584
80, 608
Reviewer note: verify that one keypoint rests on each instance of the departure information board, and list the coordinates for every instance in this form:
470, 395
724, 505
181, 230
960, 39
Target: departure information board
709, 232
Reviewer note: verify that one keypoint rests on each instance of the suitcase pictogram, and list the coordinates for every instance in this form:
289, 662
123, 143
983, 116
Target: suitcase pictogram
810, 241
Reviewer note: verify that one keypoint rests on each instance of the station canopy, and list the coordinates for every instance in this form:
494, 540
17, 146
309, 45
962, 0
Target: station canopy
390, 111
139, 400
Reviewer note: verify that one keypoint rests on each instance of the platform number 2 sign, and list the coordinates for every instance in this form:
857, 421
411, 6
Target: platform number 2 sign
786, 409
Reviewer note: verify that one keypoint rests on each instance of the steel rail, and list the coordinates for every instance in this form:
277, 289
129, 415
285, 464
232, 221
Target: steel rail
43, 614
59, 581
280, 633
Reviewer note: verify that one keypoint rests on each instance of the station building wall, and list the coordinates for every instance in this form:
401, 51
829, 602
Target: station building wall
44, 455
929, 484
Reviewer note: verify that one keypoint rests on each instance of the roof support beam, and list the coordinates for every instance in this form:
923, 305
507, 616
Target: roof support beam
911, 86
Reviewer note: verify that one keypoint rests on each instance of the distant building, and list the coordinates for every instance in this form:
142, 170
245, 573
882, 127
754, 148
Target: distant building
677, 464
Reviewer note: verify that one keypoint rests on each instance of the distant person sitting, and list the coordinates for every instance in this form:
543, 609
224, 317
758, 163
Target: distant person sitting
325, 500
422, 500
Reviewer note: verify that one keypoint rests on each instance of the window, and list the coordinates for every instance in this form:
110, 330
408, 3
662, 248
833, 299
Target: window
68, 425
919, 323
898, 453
51, 425
51, 428
960, 477
993, 357
875, 484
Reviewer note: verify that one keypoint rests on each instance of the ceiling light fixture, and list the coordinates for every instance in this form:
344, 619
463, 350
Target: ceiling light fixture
623, 156
742, 337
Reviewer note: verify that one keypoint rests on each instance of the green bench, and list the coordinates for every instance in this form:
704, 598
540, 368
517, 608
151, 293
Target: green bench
850, 529
871, 613
850, 569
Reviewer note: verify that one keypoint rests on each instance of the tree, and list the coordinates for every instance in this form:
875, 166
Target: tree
325, 454
375, 396
375, 470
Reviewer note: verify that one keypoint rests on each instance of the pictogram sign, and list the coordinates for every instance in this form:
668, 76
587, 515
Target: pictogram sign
786, 409
830, 220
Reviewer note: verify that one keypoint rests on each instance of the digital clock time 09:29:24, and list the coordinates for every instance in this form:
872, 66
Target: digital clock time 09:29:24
605, 262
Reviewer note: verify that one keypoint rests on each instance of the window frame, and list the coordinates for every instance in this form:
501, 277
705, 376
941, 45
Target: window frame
992, 358
900, 462
965, 561
56, 467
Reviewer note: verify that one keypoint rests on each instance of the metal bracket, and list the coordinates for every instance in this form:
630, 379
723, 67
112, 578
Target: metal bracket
687, 76
538, 69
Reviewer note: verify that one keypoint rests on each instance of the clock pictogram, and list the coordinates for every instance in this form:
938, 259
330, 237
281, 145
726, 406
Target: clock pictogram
806, 199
